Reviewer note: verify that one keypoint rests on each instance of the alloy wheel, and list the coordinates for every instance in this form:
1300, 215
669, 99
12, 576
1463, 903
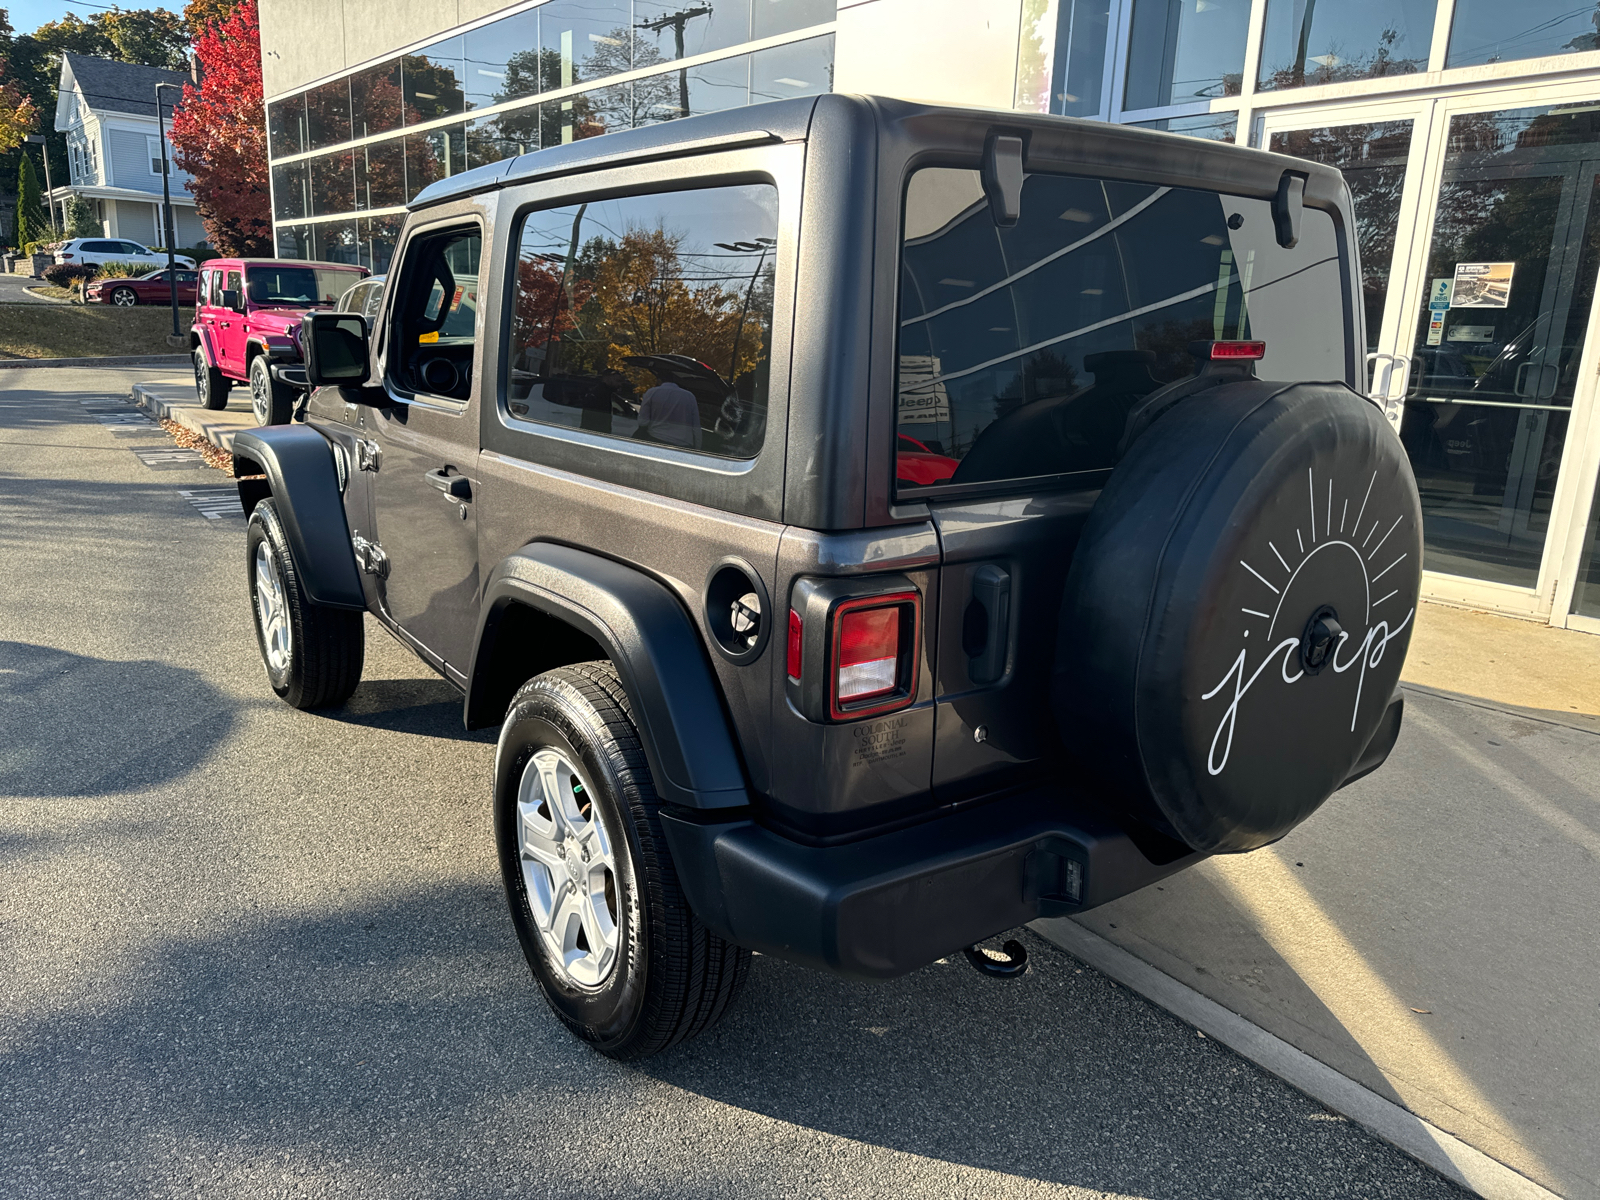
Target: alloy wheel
260, 397
272, 609
568, 868
124, 298
202, 379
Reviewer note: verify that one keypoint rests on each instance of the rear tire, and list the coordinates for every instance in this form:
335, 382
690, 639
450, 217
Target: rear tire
313, 654
270, 401
595, 899
210, 384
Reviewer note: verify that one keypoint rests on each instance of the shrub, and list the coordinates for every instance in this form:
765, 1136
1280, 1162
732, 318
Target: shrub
81, 221
120, 270
67, 274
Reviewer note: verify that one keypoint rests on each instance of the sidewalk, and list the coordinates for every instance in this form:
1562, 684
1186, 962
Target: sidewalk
1430, 932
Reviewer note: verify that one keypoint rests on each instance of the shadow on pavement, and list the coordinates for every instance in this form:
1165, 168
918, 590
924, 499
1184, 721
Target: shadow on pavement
405, 1041
149, 722
427, 706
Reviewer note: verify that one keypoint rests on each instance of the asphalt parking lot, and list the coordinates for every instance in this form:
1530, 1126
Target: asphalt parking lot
254, 952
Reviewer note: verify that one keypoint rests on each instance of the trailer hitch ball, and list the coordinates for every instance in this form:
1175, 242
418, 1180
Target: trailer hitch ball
984, 962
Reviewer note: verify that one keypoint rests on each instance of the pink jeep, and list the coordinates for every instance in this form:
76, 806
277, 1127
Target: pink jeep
247, 322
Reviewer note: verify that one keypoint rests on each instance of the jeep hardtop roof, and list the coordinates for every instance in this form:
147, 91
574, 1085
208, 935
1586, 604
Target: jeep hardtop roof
1126, 151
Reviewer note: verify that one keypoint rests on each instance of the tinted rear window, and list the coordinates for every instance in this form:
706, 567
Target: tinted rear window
1022, 350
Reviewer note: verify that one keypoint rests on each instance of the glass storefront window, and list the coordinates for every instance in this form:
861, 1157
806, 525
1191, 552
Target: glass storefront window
710, 87
328, 114
495, 138
286, 126
772, 17
674, 30
1586, 596
798, 69
1307, 43
434, 155
293, 241
1514, 257
331, 183
1217, 127
381, 174
379, 237
1373, 159
581, 40
289, 201
1080, 61
431, 81
1487, 31
500, 61
376, 103
1181, 51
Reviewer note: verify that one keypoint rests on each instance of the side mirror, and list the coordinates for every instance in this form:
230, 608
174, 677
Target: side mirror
232, 298
335, 348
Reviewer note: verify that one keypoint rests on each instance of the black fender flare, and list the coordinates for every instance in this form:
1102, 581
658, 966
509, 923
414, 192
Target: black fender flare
304, 485
202, 338
656, 649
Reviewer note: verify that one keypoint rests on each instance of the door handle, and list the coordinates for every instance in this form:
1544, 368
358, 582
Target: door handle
986, 632
455, 487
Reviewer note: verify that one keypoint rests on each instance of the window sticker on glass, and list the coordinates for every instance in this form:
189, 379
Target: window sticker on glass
1482, 285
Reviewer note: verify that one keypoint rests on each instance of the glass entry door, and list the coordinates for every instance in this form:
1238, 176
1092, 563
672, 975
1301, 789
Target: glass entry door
1497, 334
1479, 221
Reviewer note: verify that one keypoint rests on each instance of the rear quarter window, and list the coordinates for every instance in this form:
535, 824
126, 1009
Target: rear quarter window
1022, 350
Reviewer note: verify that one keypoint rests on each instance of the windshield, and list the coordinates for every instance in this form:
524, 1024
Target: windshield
298, 286
1022, 350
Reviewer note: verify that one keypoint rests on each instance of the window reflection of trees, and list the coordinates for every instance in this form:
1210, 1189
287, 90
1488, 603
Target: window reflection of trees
609, 306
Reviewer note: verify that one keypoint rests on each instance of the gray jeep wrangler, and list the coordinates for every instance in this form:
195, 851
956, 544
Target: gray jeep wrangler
871, 525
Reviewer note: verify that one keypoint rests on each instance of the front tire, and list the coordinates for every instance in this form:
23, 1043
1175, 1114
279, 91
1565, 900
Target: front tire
595, 899
124, 297
270, 401
313, 654
210, 384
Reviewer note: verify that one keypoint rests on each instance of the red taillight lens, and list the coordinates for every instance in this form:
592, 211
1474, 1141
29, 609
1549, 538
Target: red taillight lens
66, 256
869, 653
1227, 350
792, 659
872, 666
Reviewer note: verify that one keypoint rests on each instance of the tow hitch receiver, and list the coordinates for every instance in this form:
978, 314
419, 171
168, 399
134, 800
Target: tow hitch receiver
985, 962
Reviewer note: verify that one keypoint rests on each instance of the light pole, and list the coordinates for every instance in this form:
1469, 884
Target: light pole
168, 234
49, 200
761, 245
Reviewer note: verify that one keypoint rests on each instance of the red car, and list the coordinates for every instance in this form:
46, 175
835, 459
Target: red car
247, 322
151, 288
916, 464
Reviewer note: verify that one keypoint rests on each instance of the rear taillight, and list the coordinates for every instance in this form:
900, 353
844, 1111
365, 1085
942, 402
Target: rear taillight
66, 256
872, 661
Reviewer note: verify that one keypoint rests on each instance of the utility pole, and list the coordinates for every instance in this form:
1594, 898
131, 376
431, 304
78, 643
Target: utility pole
49, 188
169, 234
678, 20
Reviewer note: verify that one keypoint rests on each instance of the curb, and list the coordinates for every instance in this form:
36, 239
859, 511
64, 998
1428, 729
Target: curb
114, 360
1405, 1131
218, 432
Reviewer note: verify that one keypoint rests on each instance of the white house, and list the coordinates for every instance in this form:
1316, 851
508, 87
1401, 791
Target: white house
108, 112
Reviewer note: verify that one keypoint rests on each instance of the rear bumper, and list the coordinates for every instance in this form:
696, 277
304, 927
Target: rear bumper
885, 905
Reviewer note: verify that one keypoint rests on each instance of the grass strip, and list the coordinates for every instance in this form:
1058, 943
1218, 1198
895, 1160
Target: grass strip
92, 331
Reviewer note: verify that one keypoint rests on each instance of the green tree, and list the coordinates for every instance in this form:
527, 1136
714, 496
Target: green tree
33, 225
81, 221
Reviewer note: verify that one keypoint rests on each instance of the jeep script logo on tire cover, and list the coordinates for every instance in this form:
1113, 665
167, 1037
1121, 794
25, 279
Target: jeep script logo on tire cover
1331, 554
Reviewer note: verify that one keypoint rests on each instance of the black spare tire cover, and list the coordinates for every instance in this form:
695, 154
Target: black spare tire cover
1238, 609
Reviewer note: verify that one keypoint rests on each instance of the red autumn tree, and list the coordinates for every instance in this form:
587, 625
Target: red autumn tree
219, 135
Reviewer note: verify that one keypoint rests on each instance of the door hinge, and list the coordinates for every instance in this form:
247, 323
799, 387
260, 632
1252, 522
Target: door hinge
371, 557
369, 455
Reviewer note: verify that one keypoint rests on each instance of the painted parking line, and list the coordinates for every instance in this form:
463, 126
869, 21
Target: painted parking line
170, 460
214, 504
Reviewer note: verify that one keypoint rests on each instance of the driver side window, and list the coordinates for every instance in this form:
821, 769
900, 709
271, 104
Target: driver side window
435, 318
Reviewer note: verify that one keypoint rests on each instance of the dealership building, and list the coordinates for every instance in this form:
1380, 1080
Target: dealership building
1469, 131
